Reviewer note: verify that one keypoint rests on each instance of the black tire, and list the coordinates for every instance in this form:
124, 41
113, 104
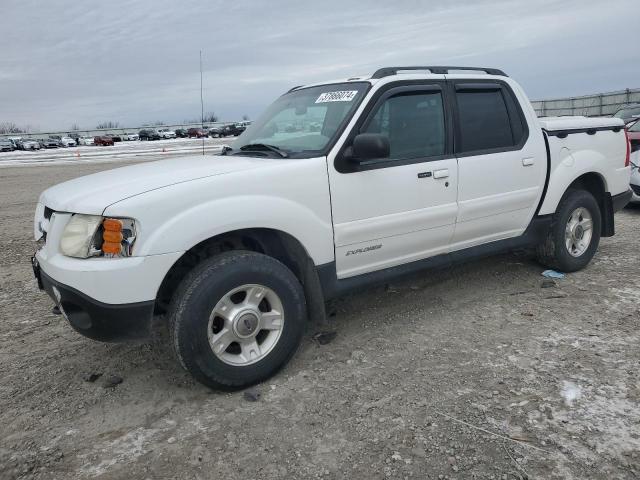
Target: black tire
199, 293
553, 252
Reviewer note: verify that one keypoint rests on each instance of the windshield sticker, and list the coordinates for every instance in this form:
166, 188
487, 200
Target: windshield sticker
341, 96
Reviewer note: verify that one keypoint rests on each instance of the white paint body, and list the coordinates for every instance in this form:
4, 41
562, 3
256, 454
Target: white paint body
468, 201
68, 142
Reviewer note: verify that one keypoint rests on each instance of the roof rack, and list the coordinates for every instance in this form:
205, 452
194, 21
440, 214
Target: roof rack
387, 71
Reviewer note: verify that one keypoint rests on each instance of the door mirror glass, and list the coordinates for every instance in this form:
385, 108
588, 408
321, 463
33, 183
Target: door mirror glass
370, 146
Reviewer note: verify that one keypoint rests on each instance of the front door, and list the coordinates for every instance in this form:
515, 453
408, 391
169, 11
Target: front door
402, 208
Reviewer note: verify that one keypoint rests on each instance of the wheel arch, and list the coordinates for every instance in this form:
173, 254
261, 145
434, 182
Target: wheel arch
274, 243
595, 183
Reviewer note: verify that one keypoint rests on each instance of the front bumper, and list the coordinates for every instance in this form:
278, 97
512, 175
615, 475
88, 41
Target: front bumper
94, 319
103, 298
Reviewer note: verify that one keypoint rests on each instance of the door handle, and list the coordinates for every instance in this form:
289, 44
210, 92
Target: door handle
444, 173
527, 162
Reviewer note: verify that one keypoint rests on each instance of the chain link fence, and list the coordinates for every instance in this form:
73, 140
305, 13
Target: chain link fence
587, 105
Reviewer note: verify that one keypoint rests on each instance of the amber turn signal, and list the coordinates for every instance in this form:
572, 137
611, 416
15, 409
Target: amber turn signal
112, 236
112, 225
112, 248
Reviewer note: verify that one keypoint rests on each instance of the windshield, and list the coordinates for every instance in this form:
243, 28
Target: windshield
627, 112
635, 127
302, 123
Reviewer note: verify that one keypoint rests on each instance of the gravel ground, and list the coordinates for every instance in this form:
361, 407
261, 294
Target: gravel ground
470, 372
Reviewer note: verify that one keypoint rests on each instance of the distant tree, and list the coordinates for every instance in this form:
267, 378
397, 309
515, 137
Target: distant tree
210, 117
108, 124
245, 117
75, 127
158, 123
10, 127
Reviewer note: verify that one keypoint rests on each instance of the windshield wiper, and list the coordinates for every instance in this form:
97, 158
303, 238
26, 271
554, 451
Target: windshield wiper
263, 146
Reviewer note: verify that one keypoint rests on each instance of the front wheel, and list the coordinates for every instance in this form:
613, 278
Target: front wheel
574, 236
237, 318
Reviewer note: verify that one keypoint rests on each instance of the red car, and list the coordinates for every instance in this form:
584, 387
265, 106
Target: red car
104, 141
634, 135
196, 132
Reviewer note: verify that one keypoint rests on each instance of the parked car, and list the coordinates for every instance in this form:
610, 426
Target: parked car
381, 191
148, 134
28, 144
635, 177
633, 132
181, 133
51, 142
14, 140
103, 140
75, 135
114, 137
6, 145
67, 142
216, 131
84, 140
196, 133
129, 136
233, 129
166, 133
629, 113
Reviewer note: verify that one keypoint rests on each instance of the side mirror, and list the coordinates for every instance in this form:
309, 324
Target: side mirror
370, 146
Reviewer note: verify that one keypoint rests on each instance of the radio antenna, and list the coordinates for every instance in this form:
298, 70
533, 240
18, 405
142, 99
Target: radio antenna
201, 103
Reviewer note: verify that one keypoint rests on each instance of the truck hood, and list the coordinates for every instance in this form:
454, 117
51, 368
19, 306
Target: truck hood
92, 194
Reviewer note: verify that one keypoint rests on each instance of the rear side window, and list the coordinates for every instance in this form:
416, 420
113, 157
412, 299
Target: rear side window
414, 124
488, 120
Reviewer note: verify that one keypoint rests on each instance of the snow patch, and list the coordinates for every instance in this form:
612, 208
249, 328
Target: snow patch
570, 392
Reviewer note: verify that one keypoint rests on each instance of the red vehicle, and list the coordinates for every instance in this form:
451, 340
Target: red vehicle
104, 141
634, 135
196, 133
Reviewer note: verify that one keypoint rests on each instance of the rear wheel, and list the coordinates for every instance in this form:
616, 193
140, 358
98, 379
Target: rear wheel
574, 236
237, 318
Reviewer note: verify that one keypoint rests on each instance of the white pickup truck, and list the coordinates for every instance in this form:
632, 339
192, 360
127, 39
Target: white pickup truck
336, 186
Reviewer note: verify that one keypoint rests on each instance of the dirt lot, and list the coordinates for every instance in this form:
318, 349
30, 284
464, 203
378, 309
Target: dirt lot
472, 372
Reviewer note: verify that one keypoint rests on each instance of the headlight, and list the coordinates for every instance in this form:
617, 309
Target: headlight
95, 236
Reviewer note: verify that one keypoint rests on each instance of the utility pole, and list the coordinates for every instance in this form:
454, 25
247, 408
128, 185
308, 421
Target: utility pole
201, 103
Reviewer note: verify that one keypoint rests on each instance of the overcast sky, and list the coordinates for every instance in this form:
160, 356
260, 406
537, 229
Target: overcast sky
84, 62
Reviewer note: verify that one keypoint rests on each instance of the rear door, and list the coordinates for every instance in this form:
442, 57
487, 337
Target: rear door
501, 162
402, 208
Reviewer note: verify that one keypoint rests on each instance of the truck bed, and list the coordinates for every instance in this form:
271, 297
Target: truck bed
580, 145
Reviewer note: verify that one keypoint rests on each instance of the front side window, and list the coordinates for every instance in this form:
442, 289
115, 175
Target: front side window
485, 121
303, 123
414, 124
